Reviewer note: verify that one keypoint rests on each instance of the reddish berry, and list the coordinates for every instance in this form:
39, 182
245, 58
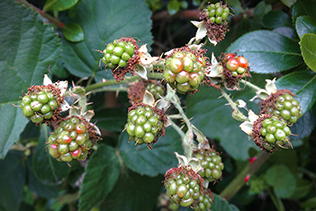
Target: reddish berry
232, 64
228, 56
243, 62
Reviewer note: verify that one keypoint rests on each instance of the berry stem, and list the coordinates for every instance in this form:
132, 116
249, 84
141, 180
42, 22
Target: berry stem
276, 200
251, 85
110, 89
235, 185
125, 81
51, 19
241, 116
176, 128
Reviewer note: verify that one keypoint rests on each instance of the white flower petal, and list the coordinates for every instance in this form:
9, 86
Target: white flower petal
143, 49
270, 86
212, 41
261, 94
196, 23
241, 104
141, 71
47, 80
247, 127
64, 106
201, 32
148, 98
62, 85
213, 60
252, 116
97, 130
182, 159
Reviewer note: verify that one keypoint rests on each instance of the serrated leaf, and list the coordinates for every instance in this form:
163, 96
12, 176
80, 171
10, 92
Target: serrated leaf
287, 32
305, 24
302, 84
28, 49
47, 169
151, 162
281, 179
112, 119
221, 204
102, 173
140, 193
12, 179
275, 19
308, 48
102, 22
73, 32
261, 9
59, 5
268, 52
288, 3
303, 7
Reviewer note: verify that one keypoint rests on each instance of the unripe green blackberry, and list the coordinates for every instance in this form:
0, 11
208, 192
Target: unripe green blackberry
271, 133
217, 12
71, 140
183, 185
282, 104
144, 124
41, 103
211, 163
204, 201
156, 90
184, 71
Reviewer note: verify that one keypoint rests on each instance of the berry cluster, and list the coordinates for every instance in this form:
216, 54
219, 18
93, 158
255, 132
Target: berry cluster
117, 54
144, 124
211, 163
217, 13
204, 201
183, 185
184, 71
273, 133
283, 105
72, 139
40, 102
156, 90
238, 65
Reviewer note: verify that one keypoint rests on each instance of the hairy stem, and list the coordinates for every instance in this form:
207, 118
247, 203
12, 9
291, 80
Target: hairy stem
249, 169
45, 15
176, 128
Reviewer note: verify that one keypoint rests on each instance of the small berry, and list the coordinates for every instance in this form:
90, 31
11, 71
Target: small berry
232, 64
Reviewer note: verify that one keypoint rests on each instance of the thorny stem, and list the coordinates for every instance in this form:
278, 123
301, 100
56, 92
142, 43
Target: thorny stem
232, 104
235, 185
176, 128
251, 85
125, 81
42, 12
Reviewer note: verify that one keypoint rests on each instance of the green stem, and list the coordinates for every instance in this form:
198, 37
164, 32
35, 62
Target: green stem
176, 128
125, 81
276, 200
110, 89
251, 85
238, 182
45, 15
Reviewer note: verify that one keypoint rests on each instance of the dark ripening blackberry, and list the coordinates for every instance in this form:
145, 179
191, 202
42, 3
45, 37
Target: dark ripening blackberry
183, 185
41, 104
145, 124
185, 70
211, 163
271, 133
282, 104
71, 140
121, 56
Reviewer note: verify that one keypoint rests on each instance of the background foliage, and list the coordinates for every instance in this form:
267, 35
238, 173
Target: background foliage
277, 37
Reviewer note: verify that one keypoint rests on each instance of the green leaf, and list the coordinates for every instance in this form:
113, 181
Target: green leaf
151, 162
221, 204
236, 5
12, 179
134, 192
214, 119
28, 49
59, 5
260, 10
303, 7
288, 3
102, 22
309, 203
47, 169
305, 24
308, 48
287, 32
303, 187
173, 7
268, 52
73, 32
35, 185
112, 119
287, 158
302, 84
102, 173
281, 179
275, 19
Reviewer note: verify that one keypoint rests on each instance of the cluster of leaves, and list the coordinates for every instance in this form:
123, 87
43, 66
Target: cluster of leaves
282, 45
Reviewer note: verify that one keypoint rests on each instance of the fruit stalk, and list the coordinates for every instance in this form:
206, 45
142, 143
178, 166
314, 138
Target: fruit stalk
251, 85
249, 169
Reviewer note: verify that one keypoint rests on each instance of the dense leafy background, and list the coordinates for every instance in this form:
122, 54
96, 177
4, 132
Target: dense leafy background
117, 175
